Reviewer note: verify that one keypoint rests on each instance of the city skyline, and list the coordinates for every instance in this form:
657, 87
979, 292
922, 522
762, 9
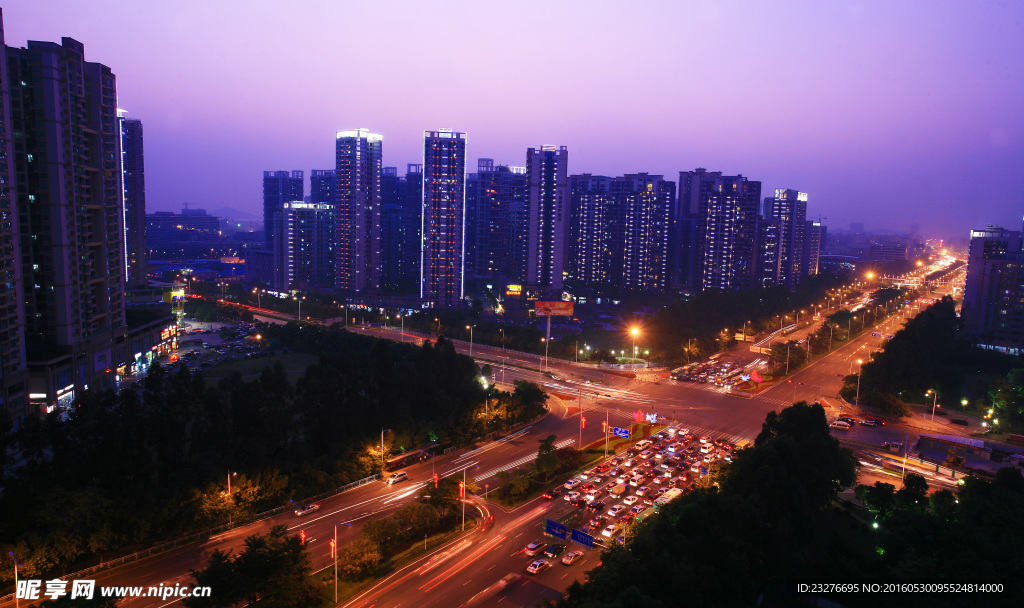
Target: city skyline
879, 123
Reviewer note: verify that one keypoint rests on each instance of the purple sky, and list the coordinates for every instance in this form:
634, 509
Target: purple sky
888, 113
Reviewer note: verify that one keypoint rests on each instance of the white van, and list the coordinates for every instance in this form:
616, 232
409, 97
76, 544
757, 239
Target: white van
839, 424
397, 477
642, 444
707, 448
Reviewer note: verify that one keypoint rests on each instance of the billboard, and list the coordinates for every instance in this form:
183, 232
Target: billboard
553, 309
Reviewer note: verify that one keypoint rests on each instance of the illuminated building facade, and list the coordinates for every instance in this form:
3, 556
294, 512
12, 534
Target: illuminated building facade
357, 210
547, 208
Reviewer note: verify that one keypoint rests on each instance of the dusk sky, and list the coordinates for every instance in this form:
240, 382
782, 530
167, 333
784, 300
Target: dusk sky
888, 113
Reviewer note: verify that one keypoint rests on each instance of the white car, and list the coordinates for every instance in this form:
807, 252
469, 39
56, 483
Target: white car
306, 510
616, 510
572, 483
642, 491
609, 531
631, 500
570, 496
538, 566
683, 432
645, 454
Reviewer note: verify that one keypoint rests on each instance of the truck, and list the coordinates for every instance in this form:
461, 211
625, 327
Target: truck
619, 490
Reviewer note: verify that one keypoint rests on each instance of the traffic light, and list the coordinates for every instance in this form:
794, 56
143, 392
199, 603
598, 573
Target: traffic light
436, 479
583, 422
302, 537
332, 548
462, 489
604, 427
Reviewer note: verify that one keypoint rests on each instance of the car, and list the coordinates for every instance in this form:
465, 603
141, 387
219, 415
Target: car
878, 421
637, 481
571, 496
645, 454
630, 463
848, 420
872, 422
307, 509
591, 495
571, 484
705, 439
597, 521
622, 478
579, 502
642, 491
554, 550
616, 472
552, 494
609, 531
840, 424
631, 500
695, 468
571, 557
637, 509
660, 456
595, 506
709, 458
660, 479
397, 477
602, 468
647, 502
683, 431
585, 475
616, 461
660, 492
534, 548
587, 487
600, 479
538, 566
616, 510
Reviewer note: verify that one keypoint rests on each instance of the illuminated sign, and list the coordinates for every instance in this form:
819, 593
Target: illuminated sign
514, 289
652, 418
553, 309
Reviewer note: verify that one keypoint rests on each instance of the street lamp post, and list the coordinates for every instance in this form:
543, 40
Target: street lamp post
935, 400
382, 445
335, 551
544, 362
402, 334
17, 601
230, 475
787, 358
470, 328
502, 330
860, 369
830, 328
632, 361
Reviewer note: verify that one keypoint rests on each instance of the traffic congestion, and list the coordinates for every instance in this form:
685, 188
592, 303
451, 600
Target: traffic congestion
604, 500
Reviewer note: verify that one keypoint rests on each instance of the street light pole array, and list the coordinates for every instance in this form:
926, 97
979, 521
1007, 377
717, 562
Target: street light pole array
230, 475
632, 360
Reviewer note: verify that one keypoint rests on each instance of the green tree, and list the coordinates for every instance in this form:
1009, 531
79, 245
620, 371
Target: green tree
880, 498
547, 459
358, 559
913, 496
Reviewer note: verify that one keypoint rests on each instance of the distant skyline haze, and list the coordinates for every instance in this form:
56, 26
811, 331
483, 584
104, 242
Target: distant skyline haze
884, 113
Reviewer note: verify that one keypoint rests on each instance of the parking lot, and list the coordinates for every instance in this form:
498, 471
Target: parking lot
604, 500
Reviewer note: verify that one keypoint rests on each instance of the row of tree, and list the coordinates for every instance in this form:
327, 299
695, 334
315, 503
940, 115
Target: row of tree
929, 354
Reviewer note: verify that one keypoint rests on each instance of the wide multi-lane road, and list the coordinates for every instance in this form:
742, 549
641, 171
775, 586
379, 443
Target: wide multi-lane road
468, 567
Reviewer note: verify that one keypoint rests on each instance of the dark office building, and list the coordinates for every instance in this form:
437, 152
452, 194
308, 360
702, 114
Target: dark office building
167, 231
491, 194
133, 172
67, 164
13, 370
322, 194
400, 228
686, 262
547, 207
444, 200
357, 210
993, 307
814, 238
279, 187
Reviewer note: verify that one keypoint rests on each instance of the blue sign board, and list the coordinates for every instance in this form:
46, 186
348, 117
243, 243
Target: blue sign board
584, 539
554, 528
652, 418
620, 432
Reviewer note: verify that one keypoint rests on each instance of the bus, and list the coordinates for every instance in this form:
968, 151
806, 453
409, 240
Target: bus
404, 460
667, 497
